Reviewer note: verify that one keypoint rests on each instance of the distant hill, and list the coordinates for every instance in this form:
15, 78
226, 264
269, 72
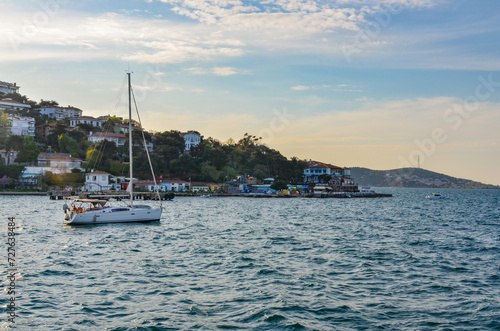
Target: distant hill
411, 177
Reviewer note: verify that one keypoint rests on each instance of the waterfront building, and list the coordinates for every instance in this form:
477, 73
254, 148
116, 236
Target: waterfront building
97, 181
199, 187
336, 178
22, 125
176, 185
315, 170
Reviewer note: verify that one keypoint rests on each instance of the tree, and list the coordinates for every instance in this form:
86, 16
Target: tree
44, 103
4, 181
87, 128
12, 171
210, 173
68, 145
29, 152
4, 127
279, 185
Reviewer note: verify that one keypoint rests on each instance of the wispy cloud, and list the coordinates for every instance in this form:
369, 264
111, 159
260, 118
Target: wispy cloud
300, 88
216, 71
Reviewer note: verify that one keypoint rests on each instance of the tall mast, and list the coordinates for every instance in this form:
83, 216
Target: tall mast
131, 184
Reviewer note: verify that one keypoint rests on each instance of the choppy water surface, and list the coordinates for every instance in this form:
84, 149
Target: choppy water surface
235, 263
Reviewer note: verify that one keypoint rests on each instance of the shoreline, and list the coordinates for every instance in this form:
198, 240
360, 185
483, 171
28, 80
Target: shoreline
24, 193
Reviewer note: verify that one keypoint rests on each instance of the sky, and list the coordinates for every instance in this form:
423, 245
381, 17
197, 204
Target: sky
378, 84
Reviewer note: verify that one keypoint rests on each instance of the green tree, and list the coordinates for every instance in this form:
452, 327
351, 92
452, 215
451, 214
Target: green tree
279, 185
4, 128
44, 103
210, 173
29, 152
68, 145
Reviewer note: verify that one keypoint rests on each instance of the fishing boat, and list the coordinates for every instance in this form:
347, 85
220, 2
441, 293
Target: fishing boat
98, 211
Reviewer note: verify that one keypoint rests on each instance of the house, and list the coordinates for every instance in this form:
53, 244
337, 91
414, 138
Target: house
237, 186
97, 181
175, 185
8, 88
58, 163
22, 125
337, 179
74, 121
123, 128
191, 139
314, 171
60, 113
44, 130
118, 138
199, 187
9, 104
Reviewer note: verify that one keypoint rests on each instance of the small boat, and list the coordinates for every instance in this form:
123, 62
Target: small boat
435, 196
97, 211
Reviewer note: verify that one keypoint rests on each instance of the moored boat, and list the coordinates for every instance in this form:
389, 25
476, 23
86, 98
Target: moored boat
95, 211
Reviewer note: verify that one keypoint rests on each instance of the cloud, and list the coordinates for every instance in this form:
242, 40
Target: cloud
300, 88
224, 71
73, 36
216, 71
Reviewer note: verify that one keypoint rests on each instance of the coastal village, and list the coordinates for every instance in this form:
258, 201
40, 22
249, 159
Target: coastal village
312, 178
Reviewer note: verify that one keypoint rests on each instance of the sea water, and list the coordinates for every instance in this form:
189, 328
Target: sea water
261, 264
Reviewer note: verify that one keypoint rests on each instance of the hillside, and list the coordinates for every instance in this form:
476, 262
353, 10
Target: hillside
411, 177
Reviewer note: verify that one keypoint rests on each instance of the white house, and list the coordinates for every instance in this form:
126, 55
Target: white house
57, 163
123, 128
316, 169
8, 88
97, 181
60, 113
174, 185
22, 126
9, 104
191, 139
118, 138
74, 121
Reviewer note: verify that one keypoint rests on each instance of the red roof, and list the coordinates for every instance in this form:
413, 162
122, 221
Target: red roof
85, 117
60, 107
14, 102
182, 134
321, 165
57, 156
174, 181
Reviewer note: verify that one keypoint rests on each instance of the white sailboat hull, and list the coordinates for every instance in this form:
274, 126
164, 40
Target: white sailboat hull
114, 215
